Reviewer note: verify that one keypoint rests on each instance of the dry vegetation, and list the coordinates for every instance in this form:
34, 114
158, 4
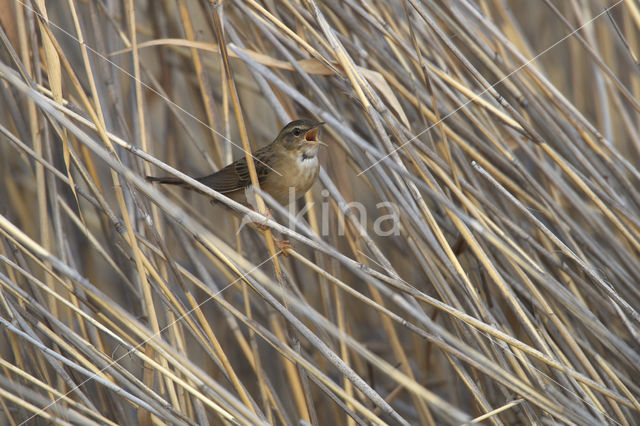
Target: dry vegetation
504, 132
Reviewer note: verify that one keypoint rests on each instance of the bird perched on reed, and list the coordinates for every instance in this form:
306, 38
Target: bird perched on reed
290, 161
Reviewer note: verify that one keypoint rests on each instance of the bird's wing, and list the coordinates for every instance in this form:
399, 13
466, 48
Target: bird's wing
236, 175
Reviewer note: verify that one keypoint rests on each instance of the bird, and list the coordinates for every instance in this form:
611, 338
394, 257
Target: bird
290, 161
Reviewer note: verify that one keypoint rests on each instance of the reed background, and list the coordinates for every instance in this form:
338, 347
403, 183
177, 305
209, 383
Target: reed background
509, 125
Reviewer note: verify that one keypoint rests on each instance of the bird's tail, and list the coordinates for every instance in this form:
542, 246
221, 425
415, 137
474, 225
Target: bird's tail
165, 180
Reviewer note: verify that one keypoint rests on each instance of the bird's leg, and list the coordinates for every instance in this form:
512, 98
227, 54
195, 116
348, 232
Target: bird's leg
261, 226
283, 245
267, 214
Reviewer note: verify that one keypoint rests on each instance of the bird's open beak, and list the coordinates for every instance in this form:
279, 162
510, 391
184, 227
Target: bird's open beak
312, 135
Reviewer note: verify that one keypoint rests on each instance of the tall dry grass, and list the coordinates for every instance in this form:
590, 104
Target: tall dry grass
502, 133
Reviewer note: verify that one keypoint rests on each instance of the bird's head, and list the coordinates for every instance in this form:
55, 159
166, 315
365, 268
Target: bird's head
302, 136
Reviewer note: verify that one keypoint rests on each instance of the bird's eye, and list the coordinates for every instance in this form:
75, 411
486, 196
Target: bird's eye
297, 132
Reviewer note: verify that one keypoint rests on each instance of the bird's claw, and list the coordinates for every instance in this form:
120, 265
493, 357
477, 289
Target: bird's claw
262, 226
283, 245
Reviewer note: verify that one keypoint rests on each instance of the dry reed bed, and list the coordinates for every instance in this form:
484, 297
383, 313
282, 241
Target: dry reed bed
505, 138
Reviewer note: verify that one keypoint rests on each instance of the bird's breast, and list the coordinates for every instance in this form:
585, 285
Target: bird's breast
295, 181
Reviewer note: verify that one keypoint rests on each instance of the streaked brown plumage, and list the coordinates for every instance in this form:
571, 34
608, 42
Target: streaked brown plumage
290, 161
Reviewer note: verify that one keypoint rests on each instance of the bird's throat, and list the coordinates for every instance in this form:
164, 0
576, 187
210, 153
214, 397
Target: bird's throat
307, 156
309, 152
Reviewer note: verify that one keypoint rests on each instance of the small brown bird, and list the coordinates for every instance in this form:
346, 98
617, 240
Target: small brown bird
290, 161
